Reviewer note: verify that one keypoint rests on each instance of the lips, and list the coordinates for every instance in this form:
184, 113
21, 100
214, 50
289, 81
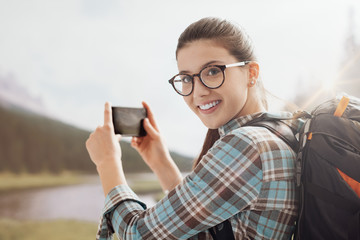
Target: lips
210, 105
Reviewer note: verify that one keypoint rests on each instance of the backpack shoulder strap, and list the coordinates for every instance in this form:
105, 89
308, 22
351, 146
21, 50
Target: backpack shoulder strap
279, 128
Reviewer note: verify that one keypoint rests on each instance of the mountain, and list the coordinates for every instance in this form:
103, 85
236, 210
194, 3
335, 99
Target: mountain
12, 94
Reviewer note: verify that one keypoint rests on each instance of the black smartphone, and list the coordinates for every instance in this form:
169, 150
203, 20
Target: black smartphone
129, 121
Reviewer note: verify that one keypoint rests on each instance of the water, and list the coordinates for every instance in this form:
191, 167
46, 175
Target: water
80, 202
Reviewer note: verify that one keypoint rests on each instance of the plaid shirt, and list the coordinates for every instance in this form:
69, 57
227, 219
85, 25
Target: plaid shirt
248, 177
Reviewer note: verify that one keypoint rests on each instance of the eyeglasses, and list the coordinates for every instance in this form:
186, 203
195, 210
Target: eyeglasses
212, 77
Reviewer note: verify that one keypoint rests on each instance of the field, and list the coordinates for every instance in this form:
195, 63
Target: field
59, 229
13, 182
54, 230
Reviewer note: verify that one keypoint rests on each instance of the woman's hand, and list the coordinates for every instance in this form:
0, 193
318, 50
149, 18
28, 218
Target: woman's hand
104, 150
103, 145
153, 150
151, 147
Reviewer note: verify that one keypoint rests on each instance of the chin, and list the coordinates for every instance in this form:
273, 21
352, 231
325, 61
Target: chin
211, 125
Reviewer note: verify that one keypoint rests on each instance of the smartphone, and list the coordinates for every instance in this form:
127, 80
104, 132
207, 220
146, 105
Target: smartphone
129, 121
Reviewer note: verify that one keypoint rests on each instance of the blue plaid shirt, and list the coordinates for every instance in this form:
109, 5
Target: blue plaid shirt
248, 177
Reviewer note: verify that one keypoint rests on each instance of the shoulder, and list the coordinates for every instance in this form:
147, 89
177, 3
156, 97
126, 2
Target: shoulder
274, 155
235, 143
259, 137
232, 152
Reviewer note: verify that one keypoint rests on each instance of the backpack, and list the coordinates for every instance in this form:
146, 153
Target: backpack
327, 170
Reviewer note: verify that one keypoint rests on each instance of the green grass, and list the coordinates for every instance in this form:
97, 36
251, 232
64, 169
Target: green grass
11, 181
145, 186
49, 230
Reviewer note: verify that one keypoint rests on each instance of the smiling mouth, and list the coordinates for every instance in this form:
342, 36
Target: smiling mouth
209, 105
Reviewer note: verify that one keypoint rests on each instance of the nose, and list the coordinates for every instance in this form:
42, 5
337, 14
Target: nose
200, 89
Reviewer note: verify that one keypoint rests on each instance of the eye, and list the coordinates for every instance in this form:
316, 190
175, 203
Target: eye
185, 79
180, 79
212, 71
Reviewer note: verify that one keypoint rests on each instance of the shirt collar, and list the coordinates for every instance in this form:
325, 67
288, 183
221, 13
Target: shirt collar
243, 120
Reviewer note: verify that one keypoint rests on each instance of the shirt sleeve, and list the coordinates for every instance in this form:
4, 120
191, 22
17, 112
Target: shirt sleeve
226, 181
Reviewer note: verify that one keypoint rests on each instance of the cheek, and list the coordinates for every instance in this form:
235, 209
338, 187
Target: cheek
235, 89
240, 84
235, 94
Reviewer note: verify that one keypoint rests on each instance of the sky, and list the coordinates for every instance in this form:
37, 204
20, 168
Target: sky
77, 54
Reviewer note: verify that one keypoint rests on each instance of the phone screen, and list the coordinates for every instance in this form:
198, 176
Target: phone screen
129, 121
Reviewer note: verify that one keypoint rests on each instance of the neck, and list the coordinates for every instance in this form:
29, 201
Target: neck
252, 105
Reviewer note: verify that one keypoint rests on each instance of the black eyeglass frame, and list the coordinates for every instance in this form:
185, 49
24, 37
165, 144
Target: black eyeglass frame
222, 68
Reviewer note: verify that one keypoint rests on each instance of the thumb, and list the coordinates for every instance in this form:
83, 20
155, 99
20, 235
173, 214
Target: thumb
153, 133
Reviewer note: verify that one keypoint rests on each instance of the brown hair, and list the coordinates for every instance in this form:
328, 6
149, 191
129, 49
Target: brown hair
231, 37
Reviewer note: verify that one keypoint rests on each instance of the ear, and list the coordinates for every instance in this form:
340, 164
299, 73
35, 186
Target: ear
253, 73
253, 70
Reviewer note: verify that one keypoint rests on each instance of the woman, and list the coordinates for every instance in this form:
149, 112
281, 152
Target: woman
244, 174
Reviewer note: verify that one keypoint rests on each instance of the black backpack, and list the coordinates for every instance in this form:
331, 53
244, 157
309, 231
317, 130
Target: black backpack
327, 171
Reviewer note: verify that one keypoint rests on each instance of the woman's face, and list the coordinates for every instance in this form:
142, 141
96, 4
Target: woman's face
214, 107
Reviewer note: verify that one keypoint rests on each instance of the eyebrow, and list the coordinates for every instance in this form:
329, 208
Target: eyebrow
203, 66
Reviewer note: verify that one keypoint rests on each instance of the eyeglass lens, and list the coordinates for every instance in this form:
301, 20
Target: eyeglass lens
211, 77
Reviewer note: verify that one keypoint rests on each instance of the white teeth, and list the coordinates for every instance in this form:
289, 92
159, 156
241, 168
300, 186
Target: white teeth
209, 105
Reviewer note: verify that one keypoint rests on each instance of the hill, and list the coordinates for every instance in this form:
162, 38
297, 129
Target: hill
34, 143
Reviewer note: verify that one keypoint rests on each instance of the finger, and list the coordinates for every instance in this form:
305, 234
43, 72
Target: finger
87, 144
139, 140
108, 114
150, 129
150, 115
134, 143
135, 139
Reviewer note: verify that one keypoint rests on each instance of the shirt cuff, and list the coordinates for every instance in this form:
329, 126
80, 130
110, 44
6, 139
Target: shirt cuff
115, 197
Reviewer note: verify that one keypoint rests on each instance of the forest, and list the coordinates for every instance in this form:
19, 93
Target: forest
33, 143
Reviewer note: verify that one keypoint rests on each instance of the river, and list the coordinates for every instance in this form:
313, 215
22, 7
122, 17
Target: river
79, 202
